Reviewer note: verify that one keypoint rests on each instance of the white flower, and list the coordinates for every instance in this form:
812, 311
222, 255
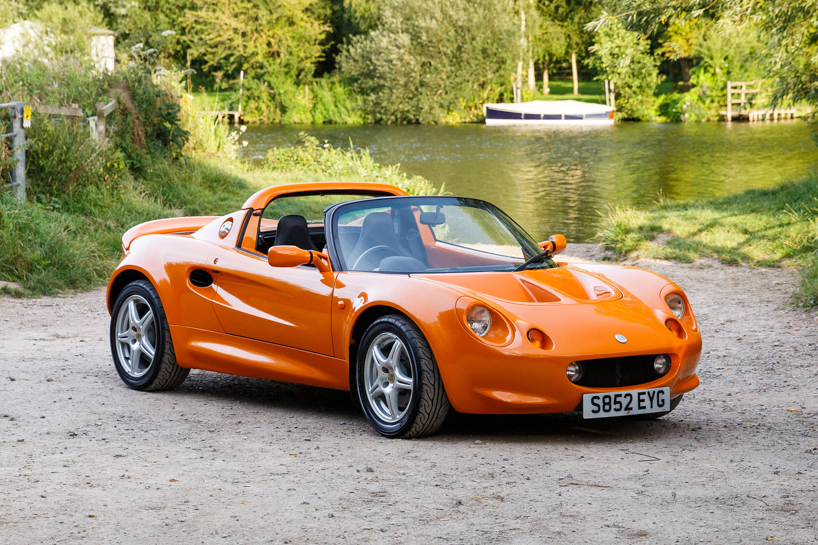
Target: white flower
168, 33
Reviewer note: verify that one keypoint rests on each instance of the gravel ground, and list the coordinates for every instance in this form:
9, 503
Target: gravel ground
231, 459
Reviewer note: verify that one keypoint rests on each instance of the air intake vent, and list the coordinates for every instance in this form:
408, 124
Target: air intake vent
200, 278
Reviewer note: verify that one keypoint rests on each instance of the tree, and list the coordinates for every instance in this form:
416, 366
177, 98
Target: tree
567, 20
283, 36
431, 60
788, 29
624, 57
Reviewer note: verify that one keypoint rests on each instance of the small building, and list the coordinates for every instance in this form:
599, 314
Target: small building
13, 40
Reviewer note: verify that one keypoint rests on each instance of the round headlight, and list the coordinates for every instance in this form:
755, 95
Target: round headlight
661, 365
479, 320
574, 371
676, 304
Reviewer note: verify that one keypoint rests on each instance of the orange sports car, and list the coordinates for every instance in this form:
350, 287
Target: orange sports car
413, 303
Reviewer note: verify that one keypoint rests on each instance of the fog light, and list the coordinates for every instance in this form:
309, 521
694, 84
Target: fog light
661, 365
479, 320
574, 371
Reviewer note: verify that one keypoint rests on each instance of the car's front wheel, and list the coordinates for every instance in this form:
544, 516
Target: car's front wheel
398, 383
140, 340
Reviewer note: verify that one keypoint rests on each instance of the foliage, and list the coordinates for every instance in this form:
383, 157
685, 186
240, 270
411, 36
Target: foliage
339, 164
149, 118
273, 98
788, 33
430, 61
259, 36
61, 158
624, 58
758, 227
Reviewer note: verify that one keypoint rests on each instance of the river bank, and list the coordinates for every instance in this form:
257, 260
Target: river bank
249, 460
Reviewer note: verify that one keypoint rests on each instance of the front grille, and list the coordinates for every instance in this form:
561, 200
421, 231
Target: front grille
615, 372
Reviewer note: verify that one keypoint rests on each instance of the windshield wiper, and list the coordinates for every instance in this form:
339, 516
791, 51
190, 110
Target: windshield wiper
537, 258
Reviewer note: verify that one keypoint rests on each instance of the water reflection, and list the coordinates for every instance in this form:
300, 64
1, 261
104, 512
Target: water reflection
562, 179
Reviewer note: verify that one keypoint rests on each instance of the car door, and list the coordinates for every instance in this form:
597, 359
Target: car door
285, 306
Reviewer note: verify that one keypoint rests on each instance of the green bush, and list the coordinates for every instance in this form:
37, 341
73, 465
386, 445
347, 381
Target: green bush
352, 164
430, 61
624, 58
61, 158
274, 98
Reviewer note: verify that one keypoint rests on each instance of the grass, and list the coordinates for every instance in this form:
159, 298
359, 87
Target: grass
768, 227
589, 91
75, 246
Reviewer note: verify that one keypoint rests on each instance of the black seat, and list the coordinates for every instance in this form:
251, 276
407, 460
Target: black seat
292, 230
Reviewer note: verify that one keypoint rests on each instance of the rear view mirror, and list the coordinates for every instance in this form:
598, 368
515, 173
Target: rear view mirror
432, 218
555, 244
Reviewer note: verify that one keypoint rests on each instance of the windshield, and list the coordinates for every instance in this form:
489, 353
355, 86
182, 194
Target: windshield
429, 234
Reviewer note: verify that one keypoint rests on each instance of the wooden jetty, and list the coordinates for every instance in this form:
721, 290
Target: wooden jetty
220, 114
744, 102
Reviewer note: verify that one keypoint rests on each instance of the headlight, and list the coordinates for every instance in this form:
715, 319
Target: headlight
479, 320
676, 304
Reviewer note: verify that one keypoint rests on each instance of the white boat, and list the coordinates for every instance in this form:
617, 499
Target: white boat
549, 112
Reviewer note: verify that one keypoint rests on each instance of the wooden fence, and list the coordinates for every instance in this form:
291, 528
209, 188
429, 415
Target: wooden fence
747, 99
21, 118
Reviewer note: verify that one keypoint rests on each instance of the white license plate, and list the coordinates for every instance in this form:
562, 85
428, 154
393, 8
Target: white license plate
653, 400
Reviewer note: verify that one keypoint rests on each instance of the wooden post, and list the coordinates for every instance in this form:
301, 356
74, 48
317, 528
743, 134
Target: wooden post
18, 142
574, 72
100, 131
241, 89
607, 95
729, 101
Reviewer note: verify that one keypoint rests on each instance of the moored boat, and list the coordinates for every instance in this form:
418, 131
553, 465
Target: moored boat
549, 112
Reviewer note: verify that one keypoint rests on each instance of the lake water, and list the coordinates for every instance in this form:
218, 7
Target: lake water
561, 180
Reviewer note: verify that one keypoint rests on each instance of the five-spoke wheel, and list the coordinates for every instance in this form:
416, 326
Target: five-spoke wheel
136, 336
397, 380
140, 340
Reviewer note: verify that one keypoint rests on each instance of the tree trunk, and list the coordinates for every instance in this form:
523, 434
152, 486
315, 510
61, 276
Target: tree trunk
523, 50
532, 80
673, 76
545, 88
685, 65
574, 72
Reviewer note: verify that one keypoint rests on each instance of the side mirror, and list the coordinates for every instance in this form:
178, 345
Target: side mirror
293, 256
555, 244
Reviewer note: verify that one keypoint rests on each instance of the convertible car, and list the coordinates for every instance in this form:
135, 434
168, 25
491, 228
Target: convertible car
416, 304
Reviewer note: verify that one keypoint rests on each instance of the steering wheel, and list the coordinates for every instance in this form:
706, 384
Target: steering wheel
367, 255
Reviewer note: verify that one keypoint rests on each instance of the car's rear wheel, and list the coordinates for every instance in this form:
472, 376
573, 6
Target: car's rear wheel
140, 340
397, 379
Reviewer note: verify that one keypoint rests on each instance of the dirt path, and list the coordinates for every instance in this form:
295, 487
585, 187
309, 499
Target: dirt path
229, 459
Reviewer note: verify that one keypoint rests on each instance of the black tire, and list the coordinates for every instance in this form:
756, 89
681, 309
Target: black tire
160, 372
653, 416
428, 405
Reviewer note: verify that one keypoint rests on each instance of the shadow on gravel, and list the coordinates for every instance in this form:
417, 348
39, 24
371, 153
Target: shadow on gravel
271, 395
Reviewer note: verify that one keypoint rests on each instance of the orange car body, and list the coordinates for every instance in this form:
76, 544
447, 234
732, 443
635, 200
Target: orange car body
301, 324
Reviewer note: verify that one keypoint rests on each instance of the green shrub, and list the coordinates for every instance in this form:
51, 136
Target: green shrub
430, 61
624, 58
352, 164
61, 158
